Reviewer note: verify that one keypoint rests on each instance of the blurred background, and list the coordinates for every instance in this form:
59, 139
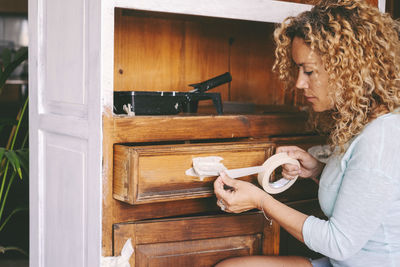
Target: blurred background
14, 35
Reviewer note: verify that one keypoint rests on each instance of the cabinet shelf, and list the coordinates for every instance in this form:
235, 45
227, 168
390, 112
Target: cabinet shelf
165, 128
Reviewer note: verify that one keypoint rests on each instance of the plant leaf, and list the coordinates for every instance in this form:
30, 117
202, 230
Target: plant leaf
15, 162
11, 215
11, 66
23, 155
20, 53
6, 57
2, 151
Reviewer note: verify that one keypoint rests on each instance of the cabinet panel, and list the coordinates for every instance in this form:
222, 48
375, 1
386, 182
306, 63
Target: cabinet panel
165, 128
197, 241
198, 252
166, 52
145, 174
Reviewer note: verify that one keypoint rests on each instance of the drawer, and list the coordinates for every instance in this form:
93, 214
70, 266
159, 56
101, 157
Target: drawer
197, 241
156, 173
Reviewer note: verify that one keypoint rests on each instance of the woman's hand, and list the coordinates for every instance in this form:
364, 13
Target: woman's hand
310, 167
240, 197
245, 196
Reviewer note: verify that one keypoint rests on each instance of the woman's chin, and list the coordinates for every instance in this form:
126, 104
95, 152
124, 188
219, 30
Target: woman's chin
319, 108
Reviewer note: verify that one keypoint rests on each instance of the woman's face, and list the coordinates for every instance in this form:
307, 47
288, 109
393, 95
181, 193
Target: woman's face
312, 76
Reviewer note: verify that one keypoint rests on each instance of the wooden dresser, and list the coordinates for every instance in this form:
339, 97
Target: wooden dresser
171, 218
98, 179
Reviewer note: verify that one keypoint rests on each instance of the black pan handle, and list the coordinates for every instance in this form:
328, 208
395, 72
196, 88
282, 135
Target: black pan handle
211, 83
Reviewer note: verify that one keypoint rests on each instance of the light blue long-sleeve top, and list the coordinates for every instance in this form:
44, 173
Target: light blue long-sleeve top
359, 192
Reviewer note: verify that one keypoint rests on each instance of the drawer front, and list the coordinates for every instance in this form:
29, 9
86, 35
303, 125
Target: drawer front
147, 174
197, 241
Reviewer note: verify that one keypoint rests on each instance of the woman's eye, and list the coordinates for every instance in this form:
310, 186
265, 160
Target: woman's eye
308, 72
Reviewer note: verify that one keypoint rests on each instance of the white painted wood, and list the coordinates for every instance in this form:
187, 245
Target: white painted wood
65, 183
255, 10
107, 60
64, 51
382, 5
65, 132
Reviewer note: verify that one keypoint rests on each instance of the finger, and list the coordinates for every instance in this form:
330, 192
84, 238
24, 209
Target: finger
291, 175
287, 149
218, 187
227, 180
290, 168
298, 154
218, 183
227, 195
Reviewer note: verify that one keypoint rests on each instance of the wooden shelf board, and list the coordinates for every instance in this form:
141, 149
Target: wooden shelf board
165, 128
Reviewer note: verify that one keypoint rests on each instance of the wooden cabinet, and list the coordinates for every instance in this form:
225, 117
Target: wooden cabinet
148, 174
197, 241
148, 155
172, 218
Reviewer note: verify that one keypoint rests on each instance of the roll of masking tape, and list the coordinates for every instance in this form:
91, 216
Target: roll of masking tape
270, 165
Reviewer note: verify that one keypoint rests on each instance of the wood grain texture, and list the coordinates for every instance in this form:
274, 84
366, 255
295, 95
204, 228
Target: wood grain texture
251, 61
197, 252
196, 241
166, 128
118, 130
158, 52
165, 52
108, 204
148, 174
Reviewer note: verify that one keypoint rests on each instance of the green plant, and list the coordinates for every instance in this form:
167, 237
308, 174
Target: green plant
14, 155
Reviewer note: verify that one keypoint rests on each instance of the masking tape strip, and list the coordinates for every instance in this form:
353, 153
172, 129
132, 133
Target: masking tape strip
211, 166
270, 165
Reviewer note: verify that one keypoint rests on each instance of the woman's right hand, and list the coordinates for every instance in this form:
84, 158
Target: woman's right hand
310, 167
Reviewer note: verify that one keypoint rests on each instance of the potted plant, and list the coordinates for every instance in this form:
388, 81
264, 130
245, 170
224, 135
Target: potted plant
14, 153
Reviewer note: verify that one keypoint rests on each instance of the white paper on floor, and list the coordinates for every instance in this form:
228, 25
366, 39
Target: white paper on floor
119, 261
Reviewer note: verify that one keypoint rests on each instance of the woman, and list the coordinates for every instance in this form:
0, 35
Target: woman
345, 56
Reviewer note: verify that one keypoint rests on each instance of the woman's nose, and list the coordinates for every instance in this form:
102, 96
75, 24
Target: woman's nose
302, 81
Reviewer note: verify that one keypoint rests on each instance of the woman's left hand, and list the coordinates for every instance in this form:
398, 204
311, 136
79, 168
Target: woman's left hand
240, 197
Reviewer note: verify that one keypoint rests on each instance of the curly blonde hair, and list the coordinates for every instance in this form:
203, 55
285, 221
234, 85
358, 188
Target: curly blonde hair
359, 48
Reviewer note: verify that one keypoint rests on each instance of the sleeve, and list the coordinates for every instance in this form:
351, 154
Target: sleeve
365, 196
360, 207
